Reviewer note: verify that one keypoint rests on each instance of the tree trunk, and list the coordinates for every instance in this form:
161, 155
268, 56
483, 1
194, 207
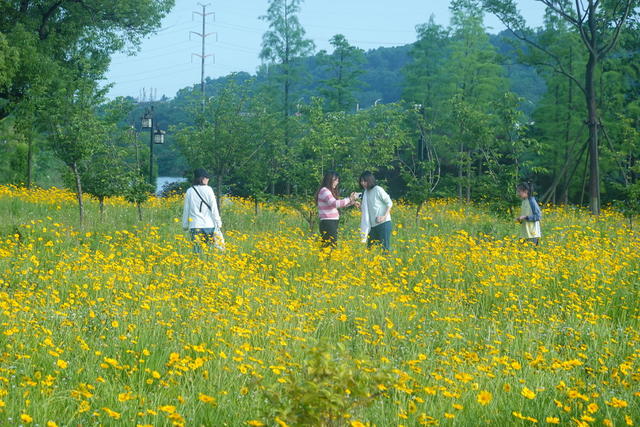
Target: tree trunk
592, 121
29, 160
76, 175
139, 207
566, 181
468, 198
101, 200
460, 174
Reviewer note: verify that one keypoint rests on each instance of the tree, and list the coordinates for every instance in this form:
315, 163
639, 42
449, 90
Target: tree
104, 173
424, 75
558, 124
599, 25
225, 135
420, 165
474, 78
284, 44
43, 34
344, 66
74, 127
424, 78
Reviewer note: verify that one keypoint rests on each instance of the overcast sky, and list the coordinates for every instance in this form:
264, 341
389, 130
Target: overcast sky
165, 62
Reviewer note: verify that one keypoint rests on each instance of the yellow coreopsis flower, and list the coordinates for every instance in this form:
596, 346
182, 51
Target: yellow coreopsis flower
26, 418
617, 403
207, 399
484, 397
529, 394
113, 414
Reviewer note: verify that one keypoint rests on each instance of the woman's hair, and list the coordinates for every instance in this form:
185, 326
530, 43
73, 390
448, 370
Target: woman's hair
198, 180
368, 178
327, 180
199, 175
526, 187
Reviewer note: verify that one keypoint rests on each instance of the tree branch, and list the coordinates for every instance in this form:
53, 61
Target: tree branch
43, 32
616, 34
560, 11
559, 69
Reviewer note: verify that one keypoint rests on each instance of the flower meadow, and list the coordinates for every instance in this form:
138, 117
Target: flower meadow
120, 323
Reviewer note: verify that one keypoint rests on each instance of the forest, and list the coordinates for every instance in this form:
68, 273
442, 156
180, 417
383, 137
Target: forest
459, 113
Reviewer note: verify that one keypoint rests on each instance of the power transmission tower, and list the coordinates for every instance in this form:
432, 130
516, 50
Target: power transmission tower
203, 36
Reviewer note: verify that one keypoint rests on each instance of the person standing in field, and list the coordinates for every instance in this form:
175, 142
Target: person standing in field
530, 213
328, 204
375, 221
200, 215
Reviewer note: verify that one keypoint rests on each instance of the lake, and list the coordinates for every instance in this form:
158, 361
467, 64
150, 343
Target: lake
162, 180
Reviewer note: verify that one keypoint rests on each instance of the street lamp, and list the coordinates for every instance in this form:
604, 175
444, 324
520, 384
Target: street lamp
156, 136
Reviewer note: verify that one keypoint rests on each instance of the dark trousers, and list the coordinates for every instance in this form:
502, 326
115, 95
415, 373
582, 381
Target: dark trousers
380, 235
329, 232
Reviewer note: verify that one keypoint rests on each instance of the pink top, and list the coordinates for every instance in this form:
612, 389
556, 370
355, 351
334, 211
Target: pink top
328, 205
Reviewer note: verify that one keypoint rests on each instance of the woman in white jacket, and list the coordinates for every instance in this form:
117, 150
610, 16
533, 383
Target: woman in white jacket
375, 223
200, 215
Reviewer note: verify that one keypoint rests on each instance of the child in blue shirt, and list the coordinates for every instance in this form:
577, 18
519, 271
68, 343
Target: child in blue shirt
529, 213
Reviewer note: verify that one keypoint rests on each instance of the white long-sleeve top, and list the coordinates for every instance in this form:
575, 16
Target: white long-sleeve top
197, 214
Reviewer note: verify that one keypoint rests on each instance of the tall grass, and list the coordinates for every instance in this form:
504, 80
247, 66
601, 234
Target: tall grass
121, 323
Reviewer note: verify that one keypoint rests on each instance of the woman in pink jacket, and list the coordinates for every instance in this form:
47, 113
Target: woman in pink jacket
328, 204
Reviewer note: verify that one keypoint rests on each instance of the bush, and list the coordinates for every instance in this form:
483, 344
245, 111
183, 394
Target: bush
327, 389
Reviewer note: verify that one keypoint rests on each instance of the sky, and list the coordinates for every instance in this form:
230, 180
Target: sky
165, 62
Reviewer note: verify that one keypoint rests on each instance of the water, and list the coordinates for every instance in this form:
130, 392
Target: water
162, 180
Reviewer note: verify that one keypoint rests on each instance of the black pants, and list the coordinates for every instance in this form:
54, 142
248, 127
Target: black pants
329, 232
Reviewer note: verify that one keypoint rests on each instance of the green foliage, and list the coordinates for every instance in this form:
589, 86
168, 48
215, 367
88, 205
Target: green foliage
328, 389
344, 66
229, 136
284, 43
45, 35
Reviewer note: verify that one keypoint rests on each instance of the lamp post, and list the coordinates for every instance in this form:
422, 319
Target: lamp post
156, 136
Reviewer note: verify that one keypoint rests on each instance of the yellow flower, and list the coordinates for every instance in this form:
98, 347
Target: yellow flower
357, 424
169, 409
484, 397
281, 423
62, 364
206, 399
592, 408
617, 403
255, 423
528, 393
51, 424
111, 413
552, 420
84, 406
26, 418
123, 397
